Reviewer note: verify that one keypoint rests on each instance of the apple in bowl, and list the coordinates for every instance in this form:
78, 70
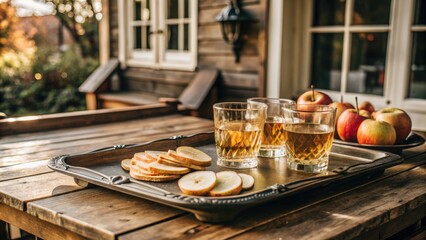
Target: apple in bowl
314, 97
376, 133
348, 124
398, 118
367, 106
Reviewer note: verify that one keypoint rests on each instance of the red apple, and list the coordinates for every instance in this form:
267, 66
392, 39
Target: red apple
348, 105
367, 106
365, 113
398, 118
376, 133
348, 123
340, 108
314, 97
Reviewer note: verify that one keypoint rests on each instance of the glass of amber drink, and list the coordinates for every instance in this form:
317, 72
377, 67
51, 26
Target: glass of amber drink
273, 132
238, 133
309, 133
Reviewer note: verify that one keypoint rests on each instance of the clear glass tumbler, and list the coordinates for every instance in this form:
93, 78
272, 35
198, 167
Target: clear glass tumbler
273, 132
238, 133
309, 131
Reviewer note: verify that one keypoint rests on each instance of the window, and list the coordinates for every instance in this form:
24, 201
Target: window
373, 49
349, 41
158, 33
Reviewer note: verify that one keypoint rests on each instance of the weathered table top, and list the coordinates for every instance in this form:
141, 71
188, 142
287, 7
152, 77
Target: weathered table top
51, 206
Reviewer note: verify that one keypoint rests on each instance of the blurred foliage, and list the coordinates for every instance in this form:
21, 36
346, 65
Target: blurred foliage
11, 37
80, 17
38, 80
50, 86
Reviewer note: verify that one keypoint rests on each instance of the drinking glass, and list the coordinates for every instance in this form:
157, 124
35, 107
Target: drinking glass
273, 132
309, 133
238, 133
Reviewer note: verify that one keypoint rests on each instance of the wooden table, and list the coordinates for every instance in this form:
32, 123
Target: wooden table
50, 205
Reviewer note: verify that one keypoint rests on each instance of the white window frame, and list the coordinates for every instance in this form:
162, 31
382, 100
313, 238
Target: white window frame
158, 57
398, 51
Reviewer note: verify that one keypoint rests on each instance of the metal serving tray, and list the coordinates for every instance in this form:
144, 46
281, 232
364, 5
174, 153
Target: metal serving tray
272, 179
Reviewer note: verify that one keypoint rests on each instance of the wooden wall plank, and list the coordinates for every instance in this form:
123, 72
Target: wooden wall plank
242, 80
208, 15
247, 64
104, 214
263, 47
213, 52
220, 47
222, 3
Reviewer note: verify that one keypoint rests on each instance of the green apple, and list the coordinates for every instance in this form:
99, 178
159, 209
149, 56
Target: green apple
376, 133
398, 118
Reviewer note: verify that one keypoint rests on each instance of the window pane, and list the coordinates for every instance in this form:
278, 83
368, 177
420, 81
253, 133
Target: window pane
186, 9
172, 9
148, 37
146, 15
137, 37
367, 67
420, 12
186, 37
371, 12
327, 60
328, 12
137, 8
417, 87
172, 37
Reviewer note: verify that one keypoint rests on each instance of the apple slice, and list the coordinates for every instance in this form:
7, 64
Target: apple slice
125, 164
140, 156
152, 155
140, 170
152, 178
191, 155
248, 181
160, 168
197, 183
169, 160
228, 183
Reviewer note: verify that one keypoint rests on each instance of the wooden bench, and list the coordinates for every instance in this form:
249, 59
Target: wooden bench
195, 96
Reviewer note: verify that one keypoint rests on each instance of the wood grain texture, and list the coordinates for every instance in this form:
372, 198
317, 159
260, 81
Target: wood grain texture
360, 209
247, 64
220, 47
374, 205
102, 135
222, 3
102, 214
22, 170
208, 15
99, 76
17, 192
80, 118
263, 46
35, 226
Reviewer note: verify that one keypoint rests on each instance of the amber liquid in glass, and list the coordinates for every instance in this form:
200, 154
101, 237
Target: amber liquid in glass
308, 143
236, 140
273, 133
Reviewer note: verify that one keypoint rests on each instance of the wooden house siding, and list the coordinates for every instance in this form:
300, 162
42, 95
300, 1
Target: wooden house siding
238, 81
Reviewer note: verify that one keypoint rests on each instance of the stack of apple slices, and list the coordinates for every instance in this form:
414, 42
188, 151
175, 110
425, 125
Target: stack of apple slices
157, 166
224, 183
